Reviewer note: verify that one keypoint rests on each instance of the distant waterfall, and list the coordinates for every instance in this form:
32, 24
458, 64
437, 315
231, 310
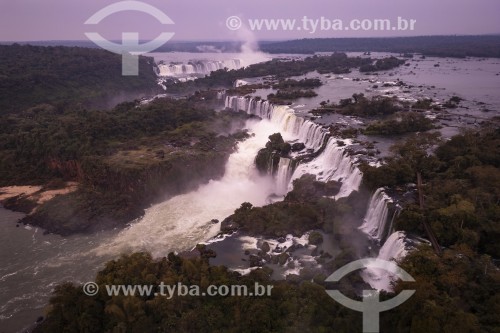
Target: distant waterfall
283, 175
333, 163
197, 67
375, 220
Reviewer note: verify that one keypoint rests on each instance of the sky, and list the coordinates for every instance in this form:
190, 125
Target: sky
33, 20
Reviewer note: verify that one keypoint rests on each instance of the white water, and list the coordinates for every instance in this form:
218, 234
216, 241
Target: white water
197, 67
283, 175
375, 220
185, 220
332, 164
395, 249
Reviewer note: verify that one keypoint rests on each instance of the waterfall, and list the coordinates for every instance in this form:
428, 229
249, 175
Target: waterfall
394, 248
283, 175
306, 131
202, 67
182, 221
333, 163
375, 220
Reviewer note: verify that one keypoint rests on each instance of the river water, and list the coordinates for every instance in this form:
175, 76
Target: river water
33, 263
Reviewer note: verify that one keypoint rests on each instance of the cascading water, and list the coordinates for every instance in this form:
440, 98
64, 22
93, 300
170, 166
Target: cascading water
332, 164
283, 175
394, 248
375, 220
197, 67
376, 225
185, 220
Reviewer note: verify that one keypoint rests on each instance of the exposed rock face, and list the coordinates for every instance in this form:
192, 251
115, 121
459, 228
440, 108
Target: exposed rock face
298, 146
111, 197
268, 158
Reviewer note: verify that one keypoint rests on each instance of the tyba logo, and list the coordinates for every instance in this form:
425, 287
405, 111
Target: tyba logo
130, 49
371, 306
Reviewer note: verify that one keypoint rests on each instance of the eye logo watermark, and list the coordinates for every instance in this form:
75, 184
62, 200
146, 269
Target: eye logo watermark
371, 305
130, 49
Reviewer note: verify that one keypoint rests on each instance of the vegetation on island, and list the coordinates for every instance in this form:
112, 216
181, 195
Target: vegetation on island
281, 69
400, 123
288, 95
361, 106
303, 83
267, 158
382, 65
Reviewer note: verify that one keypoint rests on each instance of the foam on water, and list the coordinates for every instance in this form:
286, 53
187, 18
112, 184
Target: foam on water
184, 220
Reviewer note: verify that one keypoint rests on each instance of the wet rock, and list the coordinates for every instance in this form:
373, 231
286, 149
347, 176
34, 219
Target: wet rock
283, 258
228, 225
315, 238
255, 261
298, 146
265, 247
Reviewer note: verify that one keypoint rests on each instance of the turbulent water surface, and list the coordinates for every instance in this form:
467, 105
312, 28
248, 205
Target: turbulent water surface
33, 263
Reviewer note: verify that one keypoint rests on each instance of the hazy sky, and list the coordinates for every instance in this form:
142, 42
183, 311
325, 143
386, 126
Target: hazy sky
24, 20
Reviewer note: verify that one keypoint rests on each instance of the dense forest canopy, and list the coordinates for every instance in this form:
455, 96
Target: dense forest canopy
455, 292
443, 46
440, 46
30, 75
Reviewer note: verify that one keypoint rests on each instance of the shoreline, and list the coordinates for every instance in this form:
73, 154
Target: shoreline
28, 198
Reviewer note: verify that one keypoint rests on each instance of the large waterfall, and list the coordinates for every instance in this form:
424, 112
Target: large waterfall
183, 221
375, 221
333, 163
306, 131
197, 67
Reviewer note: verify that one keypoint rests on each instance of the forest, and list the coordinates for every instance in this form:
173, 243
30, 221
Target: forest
123, 159
32, 75
456, 291
438, 46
